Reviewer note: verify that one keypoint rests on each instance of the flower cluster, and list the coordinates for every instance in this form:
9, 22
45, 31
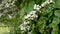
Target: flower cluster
37, 7
7, 6
24, 26
46, 2
32, 15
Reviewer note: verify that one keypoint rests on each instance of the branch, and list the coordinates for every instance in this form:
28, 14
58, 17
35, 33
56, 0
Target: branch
33, 14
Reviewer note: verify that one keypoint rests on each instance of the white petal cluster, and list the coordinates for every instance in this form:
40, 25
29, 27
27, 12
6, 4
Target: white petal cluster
7, 4
43, 4
26, 22
31, 15
36, 7
24, 27
46, 2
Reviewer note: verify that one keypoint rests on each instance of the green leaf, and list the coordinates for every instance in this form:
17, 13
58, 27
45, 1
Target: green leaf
30, 6
57, 3
55, 28
57, 13
41, 25
56, 20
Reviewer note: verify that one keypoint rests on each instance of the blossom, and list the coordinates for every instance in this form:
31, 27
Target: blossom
32, 15
46, 2
28, 28
43, 4
26, 22
26, 17
22, 27
36, 7
51, 1
7, 5
32, 12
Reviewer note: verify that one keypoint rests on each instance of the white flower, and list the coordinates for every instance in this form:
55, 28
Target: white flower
26, 17
35, 6
28, 28
33, 16
22, 27
51, 1
7, 5
36, 16
32, 12
38, 8
46, 2
25, 23
43, 4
